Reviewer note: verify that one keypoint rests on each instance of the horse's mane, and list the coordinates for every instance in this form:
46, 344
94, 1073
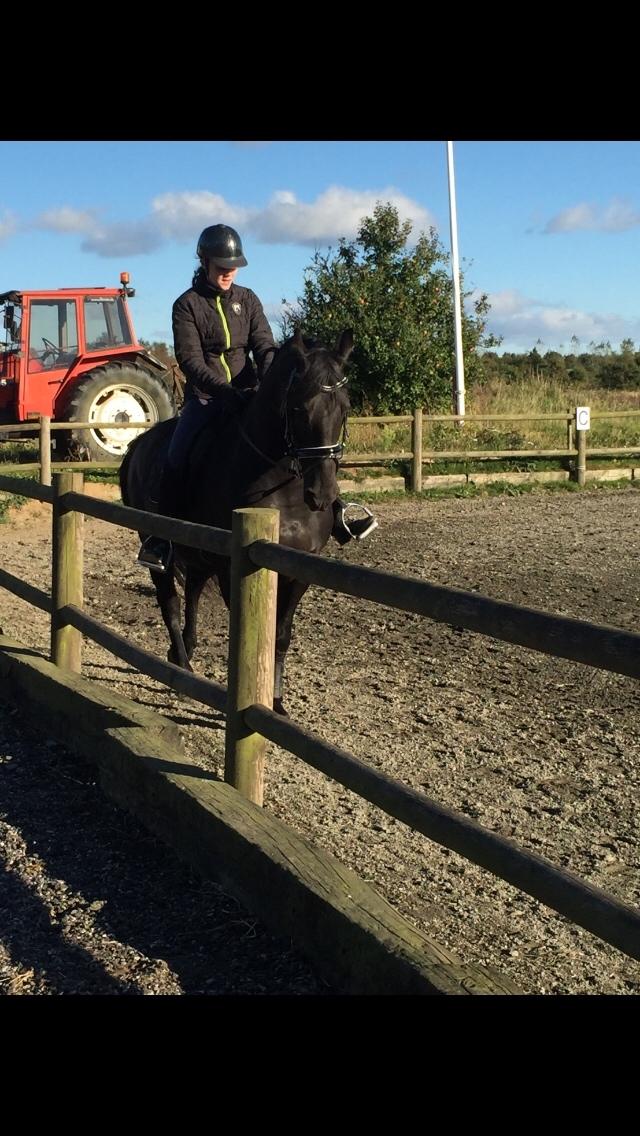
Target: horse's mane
314, 368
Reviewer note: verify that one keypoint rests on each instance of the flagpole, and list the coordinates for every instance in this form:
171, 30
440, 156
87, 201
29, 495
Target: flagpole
455, 269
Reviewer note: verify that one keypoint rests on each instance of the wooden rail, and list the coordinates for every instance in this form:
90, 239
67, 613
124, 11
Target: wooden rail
417, 455
607, 648
249, 693
591, 907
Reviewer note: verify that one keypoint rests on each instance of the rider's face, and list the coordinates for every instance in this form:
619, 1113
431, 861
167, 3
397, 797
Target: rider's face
221, 277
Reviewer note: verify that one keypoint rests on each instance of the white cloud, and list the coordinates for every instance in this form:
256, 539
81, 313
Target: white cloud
8, 225
617, 217
66, 220
123, 239
338, 212
521, 320
180, 216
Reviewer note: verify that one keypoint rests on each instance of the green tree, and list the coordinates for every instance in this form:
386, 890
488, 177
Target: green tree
554, 365
399, 302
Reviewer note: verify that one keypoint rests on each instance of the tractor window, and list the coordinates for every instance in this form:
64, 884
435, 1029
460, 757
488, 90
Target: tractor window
12, 321
105, 323
53, 334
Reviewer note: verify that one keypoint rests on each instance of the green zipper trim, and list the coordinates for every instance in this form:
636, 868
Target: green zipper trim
227, 336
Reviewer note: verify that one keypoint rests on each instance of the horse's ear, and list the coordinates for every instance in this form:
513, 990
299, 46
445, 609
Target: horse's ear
344, 346
298, 341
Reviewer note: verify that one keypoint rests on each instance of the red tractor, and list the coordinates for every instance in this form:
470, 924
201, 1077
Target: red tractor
72, 353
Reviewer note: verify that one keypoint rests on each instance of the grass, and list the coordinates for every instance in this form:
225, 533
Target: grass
13, 500
26, 453
497, 489
541, 396
9, 501
498, 397
17, 453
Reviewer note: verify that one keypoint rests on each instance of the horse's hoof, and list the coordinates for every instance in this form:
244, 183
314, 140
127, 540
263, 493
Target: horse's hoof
279, 708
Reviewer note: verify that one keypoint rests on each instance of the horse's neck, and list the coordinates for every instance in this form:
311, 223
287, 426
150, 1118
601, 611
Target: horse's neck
263, 425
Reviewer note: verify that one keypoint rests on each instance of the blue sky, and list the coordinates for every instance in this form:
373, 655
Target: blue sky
550, 230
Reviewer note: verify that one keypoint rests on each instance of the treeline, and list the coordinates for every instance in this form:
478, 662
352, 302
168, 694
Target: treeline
162, 351
600, 366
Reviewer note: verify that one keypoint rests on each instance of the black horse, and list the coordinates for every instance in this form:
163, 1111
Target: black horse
282, 452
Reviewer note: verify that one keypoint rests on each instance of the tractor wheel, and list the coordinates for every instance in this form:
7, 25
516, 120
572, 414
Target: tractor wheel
117, 392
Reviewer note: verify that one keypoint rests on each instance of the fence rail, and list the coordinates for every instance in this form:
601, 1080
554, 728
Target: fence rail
416, 455
250, 721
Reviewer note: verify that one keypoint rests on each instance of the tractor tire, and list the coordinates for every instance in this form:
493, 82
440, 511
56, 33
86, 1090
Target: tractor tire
116, 392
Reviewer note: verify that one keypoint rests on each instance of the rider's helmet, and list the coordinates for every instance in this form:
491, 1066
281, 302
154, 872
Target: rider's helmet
222, 245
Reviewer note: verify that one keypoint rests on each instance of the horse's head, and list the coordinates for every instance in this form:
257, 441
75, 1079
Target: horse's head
314, 406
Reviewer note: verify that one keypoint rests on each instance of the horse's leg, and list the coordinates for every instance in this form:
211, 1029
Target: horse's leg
194, 583
224, 582
169, 604
290, 592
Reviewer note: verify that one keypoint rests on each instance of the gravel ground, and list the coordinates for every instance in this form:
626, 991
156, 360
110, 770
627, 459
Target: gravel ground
538, 749
92, 904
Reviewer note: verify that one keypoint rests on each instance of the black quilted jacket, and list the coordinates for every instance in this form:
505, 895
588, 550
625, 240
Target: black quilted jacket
213, 333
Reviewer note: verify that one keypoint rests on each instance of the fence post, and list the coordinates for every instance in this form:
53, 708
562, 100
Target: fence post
67, 572
416, 446
252, 633
44, 442
570, 413
582, 423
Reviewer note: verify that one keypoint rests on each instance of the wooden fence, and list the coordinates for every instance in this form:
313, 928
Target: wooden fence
416, 456
247, 699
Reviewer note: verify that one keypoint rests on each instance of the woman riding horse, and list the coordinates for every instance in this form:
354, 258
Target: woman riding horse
216, 323
284, 455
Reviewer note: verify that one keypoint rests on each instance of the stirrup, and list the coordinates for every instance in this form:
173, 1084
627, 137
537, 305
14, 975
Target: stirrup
158, 558
360, 527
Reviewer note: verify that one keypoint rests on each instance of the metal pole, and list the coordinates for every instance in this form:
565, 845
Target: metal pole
455, 269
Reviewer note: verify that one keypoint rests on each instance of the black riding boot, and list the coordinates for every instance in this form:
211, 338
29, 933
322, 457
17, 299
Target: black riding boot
155, 552
345, 530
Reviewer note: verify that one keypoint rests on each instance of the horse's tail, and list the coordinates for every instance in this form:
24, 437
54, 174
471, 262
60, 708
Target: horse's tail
123, 473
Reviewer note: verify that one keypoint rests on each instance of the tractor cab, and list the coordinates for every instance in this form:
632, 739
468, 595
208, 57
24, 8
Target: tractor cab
72, 354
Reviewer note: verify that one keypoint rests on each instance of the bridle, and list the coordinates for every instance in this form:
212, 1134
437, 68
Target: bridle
298, 454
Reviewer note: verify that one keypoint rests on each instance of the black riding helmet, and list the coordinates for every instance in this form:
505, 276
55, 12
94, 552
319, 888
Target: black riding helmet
222, 245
